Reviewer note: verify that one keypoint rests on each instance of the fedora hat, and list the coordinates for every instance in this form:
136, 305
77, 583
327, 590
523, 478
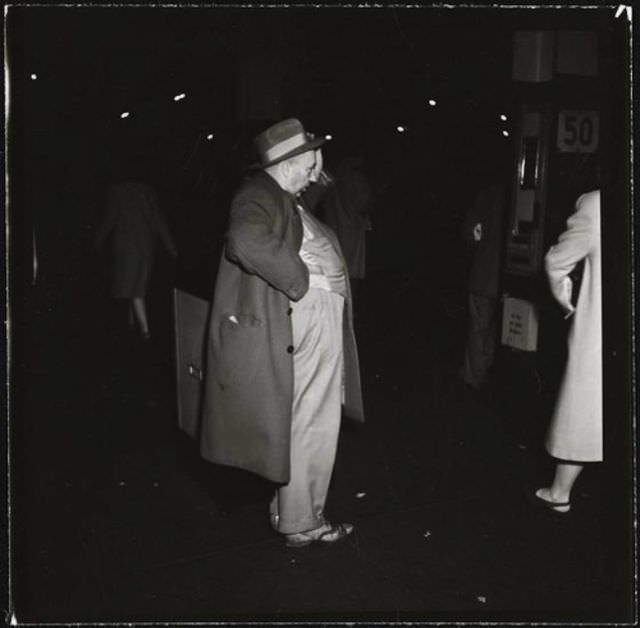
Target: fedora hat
284, 140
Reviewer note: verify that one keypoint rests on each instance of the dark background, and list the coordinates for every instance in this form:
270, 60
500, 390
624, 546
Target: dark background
354, 73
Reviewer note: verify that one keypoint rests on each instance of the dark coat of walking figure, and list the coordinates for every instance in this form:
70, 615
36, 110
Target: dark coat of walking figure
483, 227
133, 222
281, 353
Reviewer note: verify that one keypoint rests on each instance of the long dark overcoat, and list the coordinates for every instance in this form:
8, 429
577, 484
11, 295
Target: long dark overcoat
248, 386
488, 210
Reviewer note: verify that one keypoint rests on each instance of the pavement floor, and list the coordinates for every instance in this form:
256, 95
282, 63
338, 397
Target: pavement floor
115, 518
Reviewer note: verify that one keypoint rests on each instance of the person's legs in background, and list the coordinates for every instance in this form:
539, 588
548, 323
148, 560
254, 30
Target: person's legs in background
481, 338
131, 319
139, 308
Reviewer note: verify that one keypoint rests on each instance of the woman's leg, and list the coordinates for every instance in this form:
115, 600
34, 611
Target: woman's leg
140, 312
560, 491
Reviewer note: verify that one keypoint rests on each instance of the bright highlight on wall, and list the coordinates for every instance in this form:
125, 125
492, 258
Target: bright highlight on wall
432, 102
401, 129
503, 117
328, 137
505, 133
210, 136
33, 77
124, 114
178, 97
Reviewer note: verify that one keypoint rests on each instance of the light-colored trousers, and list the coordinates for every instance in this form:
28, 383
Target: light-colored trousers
317, 399
481, 339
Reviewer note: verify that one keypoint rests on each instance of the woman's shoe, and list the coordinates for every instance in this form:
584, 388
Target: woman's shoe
535, 500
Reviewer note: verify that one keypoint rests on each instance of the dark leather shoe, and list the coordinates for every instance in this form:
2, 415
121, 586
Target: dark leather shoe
559, 507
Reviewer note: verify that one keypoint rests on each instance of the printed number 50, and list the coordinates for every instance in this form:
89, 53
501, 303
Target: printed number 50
578, 128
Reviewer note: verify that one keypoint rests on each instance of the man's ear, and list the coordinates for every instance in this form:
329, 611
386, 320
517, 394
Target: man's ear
284, 167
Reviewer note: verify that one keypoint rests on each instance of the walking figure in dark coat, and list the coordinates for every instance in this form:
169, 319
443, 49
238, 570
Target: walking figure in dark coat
483, 227
133, 220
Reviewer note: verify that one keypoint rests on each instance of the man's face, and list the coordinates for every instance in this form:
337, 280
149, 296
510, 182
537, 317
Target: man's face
315, 175
302, 168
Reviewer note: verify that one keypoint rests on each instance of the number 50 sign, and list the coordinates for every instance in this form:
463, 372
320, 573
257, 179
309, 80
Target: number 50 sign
577, 131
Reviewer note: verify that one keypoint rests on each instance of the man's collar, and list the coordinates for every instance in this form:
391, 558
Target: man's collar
271, 182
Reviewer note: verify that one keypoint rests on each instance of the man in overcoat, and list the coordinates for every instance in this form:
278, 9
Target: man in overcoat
281, 354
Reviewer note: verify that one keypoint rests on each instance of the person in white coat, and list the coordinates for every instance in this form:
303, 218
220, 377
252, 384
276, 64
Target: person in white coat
575, 433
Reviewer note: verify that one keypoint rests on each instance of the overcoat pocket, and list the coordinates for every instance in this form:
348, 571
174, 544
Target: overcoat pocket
242, 342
